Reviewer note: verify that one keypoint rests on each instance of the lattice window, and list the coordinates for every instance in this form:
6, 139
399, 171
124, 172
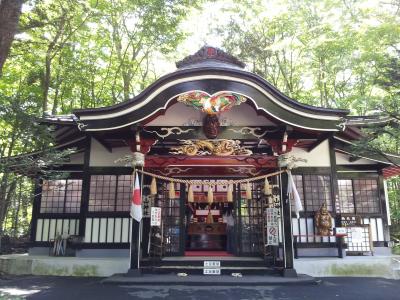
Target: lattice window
61, 196
346, 196
366, 195
102, 192
317, 190
110, 193
124, 192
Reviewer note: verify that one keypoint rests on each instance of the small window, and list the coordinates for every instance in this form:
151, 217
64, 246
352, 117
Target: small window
366, 195
61, 196
124, 192
317, 190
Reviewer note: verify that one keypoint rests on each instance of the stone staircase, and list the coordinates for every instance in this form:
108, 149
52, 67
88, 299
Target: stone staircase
209, 265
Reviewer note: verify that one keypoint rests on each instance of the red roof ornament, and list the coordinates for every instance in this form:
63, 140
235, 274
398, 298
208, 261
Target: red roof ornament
209, 53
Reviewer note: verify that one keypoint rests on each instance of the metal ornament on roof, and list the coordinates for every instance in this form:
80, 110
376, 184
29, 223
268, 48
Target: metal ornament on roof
211, 104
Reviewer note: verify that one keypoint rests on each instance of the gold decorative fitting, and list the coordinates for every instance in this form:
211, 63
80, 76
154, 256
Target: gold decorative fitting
137, 159
210, 147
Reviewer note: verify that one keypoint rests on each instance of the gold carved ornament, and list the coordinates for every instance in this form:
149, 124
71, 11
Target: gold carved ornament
323, 221
210, 147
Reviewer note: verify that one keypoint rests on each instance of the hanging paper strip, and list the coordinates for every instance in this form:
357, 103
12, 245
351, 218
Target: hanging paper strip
267, 187
294, 194
229, 193
172, 190
210, 195
190, 194
153, 186
248, 191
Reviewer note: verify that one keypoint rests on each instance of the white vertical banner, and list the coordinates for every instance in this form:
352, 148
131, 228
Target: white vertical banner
155, 216
272, 226
389, 221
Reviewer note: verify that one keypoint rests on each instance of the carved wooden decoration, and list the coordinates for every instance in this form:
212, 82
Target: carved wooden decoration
323, 221
211, 147
211, 104
211, 126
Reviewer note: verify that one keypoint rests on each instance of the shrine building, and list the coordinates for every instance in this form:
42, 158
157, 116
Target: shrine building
217, 142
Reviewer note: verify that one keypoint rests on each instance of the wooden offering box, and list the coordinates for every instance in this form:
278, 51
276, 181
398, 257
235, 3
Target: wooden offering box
202, 236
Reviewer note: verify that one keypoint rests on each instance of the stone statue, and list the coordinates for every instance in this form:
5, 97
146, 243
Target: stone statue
323, 221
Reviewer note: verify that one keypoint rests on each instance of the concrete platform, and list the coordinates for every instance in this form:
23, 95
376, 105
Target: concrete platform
208, 280
386, 266
361, 266
24, 264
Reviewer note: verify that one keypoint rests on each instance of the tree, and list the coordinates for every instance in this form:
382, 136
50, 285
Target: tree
324, 53
21, 134
73, 54
10, 10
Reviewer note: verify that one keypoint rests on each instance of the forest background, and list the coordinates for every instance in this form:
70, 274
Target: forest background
60, 55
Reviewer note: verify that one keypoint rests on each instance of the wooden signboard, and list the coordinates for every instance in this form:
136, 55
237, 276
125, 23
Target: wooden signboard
350, 220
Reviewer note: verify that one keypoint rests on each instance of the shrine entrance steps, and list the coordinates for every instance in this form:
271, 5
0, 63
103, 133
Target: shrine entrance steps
217, 265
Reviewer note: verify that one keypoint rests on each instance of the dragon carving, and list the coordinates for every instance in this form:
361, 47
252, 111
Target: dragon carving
210, 147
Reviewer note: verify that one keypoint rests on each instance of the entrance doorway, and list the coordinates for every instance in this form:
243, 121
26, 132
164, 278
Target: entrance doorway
218, 228
209, 225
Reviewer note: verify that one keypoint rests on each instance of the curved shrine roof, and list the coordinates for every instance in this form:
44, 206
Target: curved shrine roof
211, 70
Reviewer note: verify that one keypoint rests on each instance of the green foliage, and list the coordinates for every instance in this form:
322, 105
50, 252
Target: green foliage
73, 54
325, 53
91, 53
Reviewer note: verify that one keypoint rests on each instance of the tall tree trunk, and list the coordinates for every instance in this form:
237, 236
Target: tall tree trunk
10, 11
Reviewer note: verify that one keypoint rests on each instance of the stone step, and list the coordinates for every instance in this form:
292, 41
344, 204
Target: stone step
196, 270
200, 263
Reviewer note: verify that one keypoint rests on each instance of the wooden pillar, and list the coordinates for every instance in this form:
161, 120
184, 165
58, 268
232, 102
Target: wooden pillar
36, 207
335, 193
288, 270
135, 245
85, 187
385, 211
182, 216
334, 177
136, 228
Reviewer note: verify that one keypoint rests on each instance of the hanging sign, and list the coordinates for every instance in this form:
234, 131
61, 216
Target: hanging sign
155, 216
146, 204
350, 220
272, 216
356, 234
272, 226
340, 231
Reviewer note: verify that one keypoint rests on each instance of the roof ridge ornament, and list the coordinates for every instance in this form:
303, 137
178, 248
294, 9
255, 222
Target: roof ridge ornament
207, 52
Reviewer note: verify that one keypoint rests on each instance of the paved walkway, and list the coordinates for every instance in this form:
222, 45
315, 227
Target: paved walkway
209, 280
76, 288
